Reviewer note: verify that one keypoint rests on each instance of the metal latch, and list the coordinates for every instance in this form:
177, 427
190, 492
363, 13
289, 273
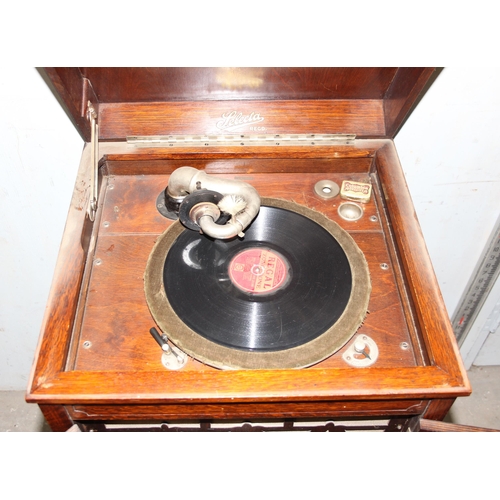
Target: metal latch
241, 140
94, 153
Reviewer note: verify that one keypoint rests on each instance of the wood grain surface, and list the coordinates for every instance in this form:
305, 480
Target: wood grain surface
117, 320
368, 102
228, 84
363, 118
97, 361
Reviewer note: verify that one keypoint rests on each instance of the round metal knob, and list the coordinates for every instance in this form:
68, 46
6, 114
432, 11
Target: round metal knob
359, 346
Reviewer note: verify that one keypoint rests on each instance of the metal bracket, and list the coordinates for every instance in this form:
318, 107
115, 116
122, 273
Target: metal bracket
173, 358
94, 153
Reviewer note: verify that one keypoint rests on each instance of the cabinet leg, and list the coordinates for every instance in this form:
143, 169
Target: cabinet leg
438, 409
57, 417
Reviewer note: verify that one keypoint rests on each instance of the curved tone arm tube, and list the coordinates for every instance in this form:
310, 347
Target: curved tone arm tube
186, 180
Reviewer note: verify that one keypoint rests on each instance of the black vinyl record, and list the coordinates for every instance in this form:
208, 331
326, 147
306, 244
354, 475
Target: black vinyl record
284, 284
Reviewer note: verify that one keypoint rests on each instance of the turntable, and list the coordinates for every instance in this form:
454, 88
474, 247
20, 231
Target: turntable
242, 252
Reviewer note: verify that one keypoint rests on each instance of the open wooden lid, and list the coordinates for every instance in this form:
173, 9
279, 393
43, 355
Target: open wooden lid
366, 102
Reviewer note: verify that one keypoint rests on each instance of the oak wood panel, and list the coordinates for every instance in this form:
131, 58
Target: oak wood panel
364, 118
249, 165
57, 417
403, 94
193, 84
393, 90
316, 409
203, 386
130, 205
123, 151
65, 290
423, 286
438, 409
117, 320
406, 302
128, 152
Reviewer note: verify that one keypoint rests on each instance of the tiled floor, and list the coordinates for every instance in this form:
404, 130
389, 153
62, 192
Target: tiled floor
481, 409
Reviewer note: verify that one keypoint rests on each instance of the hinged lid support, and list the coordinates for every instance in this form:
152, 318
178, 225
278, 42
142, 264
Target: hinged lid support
94, 153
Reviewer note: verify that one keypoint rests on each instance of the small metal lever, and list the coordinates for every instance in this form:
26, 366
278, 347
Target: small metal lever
172, 358
161, 341
360, 347
362, 352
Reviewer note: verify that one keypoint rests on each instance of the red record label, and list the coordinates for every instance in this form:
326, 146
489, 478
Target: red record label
258, 271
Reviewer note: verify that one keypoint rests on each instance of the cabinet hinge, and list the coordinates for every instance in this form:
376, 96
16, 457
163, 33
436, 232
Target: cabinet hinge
94, 154
241, 140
